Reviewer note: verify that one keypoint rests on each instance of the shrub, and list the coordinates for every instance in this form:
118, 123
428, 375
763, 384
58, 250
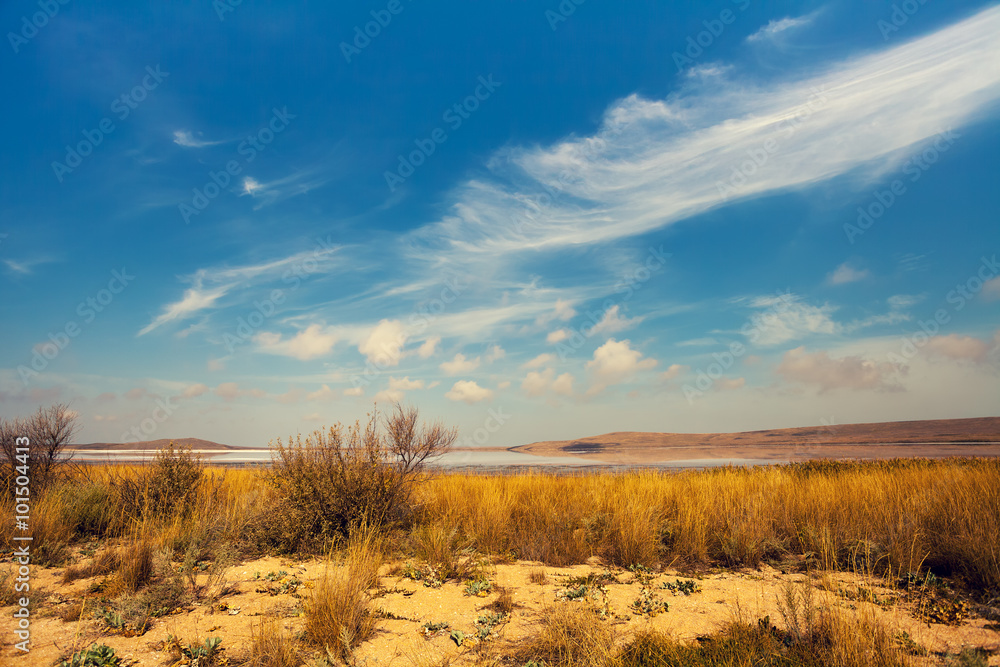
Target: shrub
169, 486
173, 480
336, 480
89, 508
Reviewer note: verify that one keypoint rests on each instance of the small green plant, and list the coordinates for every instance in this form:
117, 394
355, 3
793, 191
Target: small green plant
432, 579
458, 637
98, 655
113, 621
647, 604
479, 588
409, 571
682, 587
128, 615
198, 654
288, 586
917, 580
429, 629
574, 593
487, 623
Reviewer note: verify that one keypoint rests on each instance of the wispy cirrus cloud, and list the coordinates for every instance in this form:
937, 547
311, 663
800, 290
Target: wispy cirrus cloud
655, 162
195, 300
209, 286
270, 191
25, 267
187, 139
779, 26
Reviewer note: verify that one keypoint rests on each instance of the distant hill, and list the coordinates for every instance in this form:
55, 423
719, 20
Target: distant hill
932, 437
193, 443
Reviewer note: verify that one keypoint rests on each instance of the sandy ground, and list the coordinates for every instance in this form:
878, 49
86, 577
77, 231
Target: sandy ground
409, 604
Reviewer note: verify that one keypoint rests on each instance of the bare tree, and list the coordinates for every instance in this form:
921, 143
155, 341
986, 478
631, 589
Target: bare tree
413, 445
48, 431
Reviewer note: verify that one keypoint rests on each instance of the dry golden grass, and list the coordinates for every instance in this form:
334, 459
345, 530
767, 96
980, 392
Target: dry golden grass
896, 515
887, 517
571, 635
272, 646
339, 614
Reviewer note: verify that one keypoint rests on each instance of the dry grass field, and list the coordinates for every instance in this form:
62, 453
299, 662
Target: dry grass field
347, 551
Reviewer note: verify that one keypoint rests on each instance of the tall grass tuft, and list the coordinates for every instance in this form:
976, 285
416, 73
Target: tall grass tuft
571, 635
339, 615
272, 646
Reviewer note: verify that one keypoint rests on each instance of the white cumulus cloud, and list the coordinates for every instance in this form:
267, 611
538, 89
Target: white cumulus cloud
469, 392
384, 345
614, 363
460, 365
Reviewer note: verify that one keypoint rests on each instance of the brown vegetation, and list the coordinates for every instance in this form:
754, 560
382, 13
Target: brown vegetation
169, 534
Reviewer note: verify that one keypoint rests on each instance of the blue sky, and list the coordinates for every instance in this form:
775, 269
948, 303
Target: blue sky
240, 221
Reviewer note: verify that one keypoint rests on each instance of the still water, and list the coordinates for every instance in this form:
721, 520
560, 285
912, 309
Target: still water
487, 460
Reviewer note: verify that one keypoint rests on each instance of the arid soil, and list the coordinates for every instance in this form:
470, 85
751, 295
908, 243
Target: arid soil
884, 440
265, 589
